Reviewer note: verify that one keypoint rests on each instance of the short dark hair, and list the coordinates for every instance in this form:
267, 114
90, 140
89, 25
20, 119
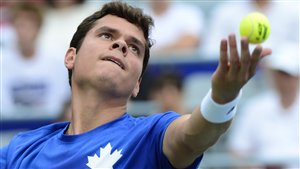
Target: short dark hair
131, 14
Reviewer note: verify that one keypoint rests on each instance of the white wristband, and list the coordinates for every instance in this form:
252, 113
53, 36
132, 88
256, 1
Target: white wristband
218, 113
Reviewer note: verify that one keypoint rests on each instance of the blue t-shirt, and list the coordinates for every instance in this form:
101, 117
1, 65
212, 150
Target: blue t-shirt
127, 142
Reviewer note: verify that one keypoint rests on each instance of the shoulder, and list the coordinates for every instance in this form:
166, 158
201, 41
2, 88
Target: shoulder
33, 135
261, 101
165, 116
258, 108
158, 120
24, 140
10, 56
29, 143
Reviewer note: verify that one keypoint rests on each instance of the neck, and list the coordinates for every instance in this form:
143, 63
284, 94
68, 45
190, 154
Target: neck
27, 50
288, 98
90, 110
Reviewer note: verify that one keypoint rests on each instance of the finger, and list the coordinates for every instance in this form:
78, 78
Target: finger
256, 55
223, 61
245, 58
266, 52
234, 57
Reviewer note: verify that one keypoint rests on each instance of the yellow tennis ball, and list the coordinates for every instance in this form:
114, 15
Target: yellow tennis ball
256, 27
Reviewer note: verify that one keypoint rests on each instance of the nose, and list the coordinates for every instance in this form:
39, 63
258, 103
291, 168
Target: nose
122, 46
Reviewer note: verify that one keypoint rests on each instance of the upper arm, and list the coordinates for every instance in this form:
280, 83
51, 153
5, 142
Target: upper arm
187, 137
174, 147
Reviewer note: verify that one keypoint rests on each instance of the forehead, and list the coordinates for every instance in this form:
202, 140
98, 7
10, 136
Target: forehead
120, 24
25, 15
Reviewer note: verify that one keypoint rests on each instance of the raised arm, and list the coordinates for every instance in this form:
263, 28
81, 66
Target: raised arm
189, 136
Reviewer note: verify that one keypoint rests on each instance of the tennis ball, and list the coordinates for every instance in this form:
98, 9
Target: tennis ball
256, 27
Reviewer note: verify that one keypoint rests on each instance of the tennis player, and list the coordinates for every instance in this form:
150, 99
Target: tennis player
107, 57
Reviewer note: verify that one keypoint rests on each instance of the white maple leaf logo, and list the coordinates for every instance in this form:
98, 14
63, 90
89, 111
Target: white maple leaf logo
106, 160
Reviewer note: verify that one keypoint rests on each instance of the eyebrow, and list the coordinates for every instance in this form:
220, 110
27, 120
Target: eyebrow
107, 29
116, 31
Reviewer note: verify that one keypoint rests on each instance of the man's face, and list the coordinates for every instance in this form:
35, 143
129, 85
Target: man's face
110, 58
283, 81
26, 26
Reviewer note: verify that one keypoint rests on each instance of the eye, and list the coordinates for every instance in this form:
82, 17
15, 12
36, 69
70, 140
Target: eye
134, 49
106, 36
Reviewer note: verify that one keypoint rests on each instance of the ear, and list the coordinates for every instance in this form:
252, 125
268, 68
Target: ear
70, 58
136, 88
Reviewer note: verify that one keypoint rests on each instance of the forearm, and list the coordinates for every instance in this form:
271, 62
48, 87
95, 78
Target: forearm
200, 134
190, 135
195, 133
209, 121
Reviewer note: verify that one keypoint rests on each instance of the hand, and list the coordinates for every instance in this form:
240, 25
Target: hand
235, 71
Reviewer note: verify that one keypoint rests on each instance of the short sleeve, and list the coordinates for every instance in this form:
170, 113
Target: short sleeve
166, 120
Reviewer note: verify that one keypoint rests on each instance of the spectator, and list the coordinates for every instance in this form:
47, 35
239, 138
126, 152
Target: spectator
33, 86
172, 36
268, 126
167, 92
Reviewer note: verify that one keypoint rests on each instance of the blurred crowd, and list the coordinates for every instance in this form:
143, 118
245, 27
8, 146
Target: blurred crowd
35, 34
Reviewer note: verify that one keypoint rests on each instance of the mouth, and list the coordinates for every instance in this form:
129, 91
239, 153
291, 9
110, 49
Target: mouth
115, 61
